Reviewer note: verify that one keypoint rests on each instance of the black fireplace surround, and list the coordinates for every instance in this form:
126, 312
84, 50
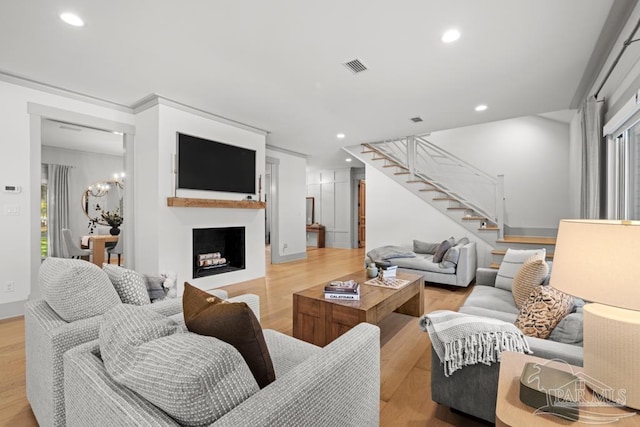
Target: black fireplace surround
218, 250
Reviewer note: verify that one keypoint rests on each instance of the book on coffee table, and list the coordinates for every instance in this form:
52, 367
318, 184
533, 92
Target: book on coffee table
344, 297
343, 290
342, 287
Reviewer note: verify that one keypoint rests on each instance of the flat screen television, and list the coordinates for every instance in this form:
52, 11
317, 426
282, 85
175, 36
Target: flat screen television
214, 166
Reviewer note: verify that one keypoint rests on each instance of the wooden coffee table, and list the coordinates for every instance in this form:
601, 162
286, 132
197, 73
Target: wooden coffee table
320, 321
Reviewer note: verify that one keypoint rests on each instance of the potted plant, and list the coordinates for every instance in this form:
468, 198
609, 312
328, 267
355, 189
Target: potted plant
114, 219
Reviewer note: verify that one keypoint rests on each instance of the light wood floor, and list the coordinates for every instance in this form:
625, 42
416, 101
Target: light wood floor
405, 351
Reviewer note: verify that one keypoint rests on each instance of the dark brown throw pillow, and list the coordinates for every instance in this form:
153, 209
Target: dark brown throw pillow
442, 249
233, 323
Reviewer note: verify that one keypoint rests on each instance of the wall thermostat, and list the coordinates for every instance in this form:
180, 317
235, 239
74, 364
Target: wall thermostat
12, 189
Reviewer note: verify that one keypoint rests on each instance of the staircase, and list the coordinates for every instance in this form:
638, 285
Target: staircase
456, 188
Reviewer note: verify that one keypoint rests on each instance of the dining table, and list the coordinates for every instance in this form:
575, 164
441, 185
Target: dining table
97, 243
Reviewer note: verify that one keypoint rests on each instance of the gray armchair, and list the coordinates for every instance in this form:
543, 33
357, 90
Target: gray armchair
48, 337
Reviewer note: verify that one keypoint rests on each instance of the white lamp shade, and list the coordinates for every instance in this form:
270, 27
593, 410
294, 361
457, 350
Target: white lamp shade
599, 261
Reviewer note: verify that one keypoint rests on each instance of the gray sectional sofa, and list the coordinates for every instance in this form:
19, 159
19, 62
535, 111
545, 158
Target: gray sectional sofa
473, 389
417, 261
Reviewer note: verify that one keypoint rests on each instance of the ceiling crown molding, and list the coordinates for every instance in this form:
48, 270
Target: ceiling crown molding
155, 99
33, 84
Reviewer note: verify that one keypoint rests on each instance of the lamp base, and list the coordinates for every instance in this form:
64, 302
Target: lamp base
612, 353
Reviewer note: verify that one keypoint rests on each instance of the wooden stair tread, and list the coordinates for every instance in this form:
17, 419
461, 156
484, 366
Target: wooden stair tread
459, 208
474, 218
534, 240
429, 189
494, 265
489, 228
503, 252
451, 199
401, 173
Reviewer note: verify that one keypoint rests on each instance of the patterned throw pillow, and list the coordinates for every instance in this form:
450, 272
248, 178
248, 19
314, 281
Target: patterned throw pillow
76, 289
193, 378
131, 286
542, 311
530, 275
233, 323
511, 263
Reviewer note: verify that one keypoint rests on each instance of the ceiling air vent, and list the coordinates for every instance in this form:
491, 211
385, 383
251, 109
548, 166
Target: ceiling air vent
355, 66
416, 119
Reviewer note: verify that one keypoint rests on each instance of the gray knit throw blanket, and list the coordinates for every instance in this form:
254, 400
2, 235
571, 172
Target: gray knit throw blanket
462, 339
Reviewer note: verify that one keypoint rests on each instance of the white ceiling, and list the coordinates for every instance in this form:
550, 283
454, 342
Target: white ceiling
277, 65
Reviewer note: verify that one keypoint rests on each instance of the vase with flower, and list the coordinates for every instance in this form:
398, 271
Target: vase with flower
114, 219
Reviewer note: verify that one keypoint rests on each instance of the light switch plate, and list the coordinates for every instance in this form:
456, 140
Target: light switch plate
12, 210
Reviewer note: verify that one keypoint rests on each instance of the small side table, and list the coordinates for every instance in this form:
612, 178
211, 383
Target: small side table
510, 411
320, 229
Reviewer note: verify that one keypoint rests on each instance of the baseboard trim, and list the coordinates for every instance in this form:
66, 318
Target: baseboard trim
281, 259
11, 309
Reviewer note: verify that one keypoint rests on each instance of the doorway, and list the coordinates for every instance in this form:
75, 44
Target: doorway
37, 113
362, 211
271, 212
79, 163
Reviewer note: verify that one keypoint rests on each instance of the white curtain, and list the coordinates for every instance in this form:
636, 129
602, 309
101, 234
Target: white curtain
592, 159
57, 207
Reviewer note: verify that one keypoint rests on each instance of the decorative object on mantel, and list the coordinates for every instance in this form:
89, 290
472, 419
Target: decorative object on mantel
186, 202
260, 188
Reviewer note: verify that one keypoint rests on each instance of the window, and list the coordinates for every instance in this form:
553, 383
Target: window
624, 173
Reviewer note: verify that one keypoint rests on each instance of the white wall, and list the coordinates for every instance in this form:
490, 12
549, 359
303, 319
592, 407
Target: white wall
395, 216
533, 154
164, 234
331, 190
88, 168
20, 165
291, 206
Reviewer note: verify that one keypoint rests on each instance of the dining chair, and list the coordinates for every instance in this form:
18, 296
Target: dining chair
73, 248
115, 250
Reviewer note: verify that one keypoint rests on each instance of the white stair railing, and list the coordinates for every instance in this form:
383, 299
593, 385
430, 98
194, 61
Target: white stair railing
451, 175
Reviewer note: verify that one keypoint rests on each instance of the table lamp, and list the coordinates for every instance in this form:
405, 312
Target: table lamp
599, 261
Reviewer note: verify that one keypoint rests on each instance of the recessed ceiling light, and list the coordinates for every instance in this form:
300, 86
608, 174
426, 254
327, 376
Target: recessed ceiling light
451, 36
72, 19
348, 159
481, 107
340, 136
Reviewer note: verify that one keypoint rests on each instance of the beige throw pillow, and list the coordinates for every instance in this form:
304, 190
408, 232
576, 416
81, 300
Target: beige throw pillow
530, 275
542, 311
511, 263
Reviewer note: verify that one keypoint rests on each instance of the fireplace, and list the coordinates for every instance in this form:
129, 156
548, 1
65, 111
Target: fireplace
218, 250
